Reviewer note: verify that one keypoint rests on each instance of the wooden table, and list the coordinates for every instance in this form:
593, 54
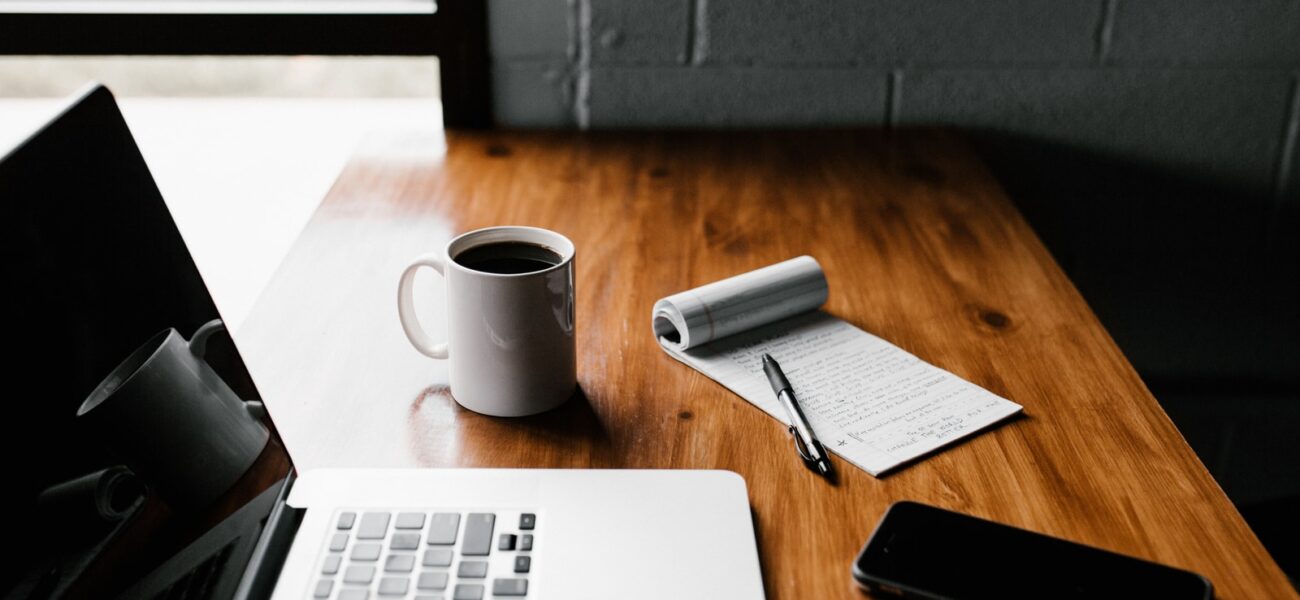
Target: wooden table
921, 246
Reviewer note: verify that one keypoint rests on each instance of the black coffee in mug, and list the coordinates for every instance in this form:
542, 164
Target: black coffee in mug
508, 258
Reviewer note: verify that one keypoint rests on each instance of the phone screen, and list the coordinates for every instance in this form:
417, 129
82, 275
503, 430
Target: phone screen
926, 552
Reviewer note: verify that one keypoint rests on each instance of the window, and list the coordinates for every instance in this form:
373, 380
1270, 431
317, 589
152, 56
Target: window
455, 33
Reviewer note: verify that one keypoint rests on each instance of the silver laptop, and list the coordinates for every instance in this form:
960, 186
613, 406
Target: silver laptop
134, 504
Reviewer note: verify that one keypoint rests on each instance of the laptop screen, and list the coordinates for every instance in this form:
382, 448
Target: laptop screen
130, 435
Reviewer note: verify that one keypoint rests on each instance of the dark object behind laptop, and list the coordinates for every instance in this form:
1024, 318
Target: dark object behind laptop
94, 267
920, 551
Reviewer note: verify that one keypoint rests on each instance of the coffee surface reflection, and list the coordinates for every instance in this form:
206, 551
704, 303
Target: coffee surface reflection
508, 258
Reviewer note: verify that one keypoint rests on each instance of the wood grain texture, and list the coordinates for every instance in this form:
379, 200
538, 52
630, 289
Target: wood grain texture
921, 246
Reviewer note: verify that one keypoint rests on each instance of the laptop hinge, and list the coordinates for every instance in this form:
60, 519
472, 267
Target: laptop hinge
272, 548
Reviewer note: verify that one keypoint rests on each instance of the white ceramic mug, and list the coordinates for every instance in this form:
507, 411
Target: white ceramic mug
510, 339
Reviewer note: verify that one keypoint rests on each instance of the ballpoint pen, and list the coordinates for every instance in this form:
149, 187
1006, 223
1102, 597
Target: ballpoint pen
805, 441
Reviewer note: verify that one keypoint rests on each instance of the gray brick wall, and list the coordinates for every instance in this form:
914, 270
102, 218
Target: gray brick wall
1153, 144
534, 48
626, 32
1221, 124
672, 97
1207, 31
1205, 86
895, 31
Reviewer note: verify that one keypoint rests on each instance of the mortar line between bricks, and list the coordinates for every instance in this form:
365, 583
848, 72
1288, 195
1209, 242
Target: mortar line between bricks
688, 56
1105, 30
1286, 158
893, 93
1089, 64
582, 68
698, 33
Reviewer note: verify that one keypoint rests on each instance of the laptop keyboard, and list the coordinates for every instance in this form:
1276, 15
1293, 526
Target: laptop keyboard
427, 555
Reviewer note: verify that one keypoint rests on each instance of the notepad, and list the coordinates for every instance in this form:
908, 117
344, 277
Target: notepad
869, 401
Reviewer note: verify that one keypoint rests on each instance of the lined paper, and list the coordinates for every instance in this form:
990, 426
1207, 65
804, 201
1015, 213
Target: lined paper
869, 401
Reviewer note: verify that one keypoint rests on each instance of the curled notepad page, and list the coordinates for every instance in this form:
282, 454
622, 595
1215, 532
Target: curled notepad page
696, 317
871, 402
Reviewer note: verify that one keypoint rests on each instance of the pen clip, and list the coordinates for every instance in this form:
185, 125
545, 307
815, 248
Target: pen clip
800, 446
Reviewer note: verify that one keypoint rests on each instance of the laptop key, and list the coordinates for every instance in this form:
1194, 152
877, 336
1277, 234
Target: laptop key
409, 520
506, 541
526, 542
331, 565
429, 597
442, 528
404, 541
374, 526
366, 551
432, 580
509, 587
323, 588
472, 569
338, 542
523, 563
346, 519
358, 574
399, 563
393, 586
478, 534
527, 521
437, 557
468, 591
354, 594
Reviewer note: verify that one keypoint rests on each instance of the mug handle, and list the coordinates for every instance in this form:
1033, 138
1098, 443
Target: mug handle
199, 341
198, 345
406, 307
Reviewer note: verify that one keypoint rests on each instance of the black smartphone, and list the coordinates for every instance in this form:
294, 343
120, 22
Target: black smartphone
920, 551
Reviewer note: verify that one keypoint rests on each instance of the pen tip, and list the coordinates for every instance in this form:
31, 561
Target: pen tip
767, 358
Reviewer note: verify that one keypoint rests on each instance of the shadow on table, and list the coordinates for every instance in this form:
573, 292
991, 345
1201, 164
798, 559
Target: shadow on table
568, 436
1194, 276
574, 420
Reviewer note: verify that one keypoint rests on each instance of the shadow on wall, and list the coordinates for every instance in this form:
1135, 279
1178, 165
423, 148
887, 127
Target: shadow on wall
1198, 281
